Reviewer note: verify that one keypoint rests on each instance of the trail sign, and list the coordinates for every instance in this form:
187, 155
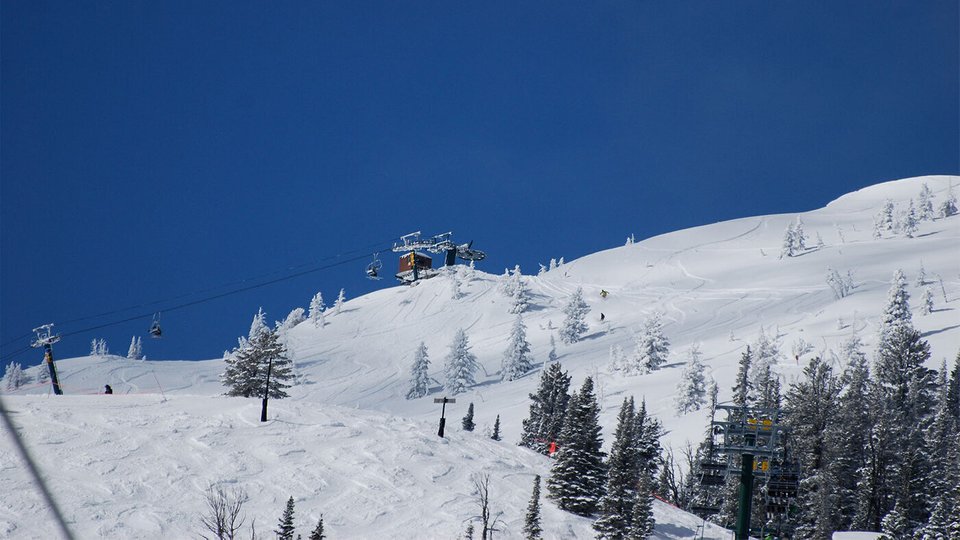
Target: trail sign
443, 411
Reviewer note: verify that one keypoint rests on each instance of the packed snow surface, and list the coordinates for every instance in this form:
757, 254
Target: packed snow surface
347, 445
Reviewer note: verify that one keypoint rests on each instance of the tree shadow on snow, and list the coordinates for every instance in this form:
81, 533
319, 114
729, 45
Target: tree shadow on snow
934, 332
674, 530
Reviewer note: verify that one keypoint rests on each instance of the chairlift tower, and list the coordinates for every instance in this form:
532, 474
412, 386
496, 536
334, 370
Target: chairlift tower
753, 442
46, 338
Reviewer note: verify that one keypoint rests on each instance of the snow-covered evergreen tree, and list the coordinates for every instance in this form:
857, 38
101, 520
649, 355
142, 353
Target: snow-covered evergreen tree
316, 310
419, 379
460, 366
799, 236
630, 240
949, 205
553, 264
318, 533
926, 301
691, 395
653, 347
886, 216
468, 423
520, 298
743, 388
338, 303
623, 474
496, 429
642, 520
574, 325
789, 248
552, 355
456, 290
548, 409
766, 353
285, 528
516, 359
908, 224
246, 366
14, 376
847, 439
296, 316
897, 311
98, 347
618, 359
531, 522
505, 282
925, 203
577, 477
135, 351
842, 286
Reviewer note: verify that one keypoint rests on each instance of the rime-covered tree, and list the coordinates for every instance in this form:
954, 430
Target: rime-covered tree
285, 528
897, 310
926, 301
14, 376
135, 351
847, 437
886, 216
949, 205
496, 429
691, 395
468, 423
577, 477
743, 388
841, 286
548, 410
799, 236
574, 325
338, 303
531, 522
925, 203
810, 405
419, 377
296, 316
643, 522
921, 276
789, 248
246, 366
653, 347
316, 310
461, 365
98, 347
318, 533
766, 353
623, 474
767, 387
516, 359
908, 224
520, 296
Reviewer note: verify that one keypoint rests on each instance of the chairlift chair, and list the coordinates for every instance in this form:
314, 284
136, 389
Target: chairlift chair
374, 267
155, 331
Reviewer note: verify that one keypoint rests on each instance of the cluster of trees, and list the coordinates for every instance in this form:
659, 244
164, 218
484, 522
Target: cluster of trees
15, 376
794, 239
906, 220
652, 348
617, 490
247, 364
135, 351
98, 347
878, 449
223, 517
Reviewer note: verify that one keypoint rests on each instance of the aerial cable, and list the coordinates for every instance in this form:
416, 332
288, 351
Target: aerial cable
365, 250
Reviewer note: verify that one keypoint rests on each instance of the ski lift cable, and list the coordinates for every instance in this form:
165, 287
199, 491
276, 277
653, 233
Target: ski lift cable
364, 249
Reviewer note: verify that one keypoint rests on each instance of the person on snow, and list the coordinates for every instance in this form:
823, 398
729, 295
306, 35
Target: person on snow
107, 389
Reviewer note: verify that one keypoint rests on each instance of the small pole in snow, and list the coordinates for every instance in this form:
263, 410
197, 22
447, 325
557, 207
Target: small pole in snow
443, 411
266, 392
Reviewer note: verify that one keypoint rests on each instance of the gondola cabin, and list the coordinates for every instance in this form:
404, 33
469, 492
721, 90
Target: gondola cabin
414, 266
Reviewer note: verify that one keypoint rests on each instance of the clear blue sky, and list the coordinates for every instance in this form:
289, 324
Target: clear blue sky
151, 150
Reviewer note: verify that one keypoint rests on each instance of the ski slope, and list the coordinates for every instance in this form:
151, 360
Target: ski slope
346, 444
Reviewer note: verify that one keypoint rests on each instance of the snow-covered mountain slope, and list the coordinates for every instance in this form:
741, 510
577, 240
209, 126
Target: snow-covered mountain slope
717, 285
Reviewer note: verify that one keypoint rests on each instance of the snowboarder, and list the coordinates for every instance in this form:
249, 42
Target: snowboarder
602, 317
603, 293
107, 389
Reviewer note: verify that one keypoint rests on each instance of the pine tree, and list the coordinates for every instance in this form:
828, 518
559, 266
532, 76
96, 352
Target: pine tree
768, 389
468, 424
520, 297
461, 365
886, 216
316, 310
847, 438
766, 353
799, 237
14, 376
577, 476
691, 395
743, 389
516, 359
949, 205
246, 366
338, 303
908, 225
318, 533
548, 410
925, 203
296, 316
789, 248
810, 405
897, 310
926, 301
419, 378
652, 346
575, 313
953, 389
135, 352
285, 527
643, 522
496, 429
552, 355
623, 474
531, 523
